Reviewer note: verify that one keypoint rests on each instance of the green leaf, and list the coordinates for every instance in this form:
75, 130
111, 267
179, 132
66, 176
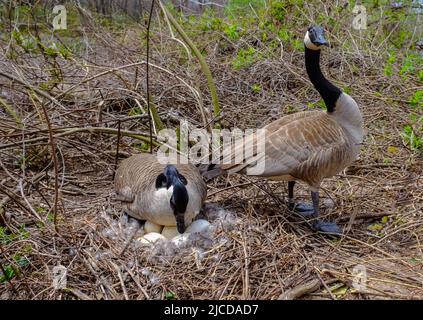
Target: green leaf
284, 35
410, 138
277, 10
375, 227
416, 260
10, 272
170, 295
417, 99
256, 88
392, 149
341, 291
321, 104
231, 32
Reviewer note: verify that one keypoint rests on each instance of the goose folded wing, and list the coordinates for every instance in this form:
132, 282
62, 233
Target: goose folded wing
294, 141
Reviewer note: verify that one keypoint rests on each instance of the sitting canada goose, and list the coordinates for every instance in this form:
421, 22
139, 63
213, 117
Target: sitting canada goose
311, 145
166, 195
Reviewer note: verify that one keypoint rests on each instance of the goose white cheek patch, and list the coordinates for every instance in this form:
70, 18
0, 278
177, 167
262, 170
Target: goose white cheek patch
310, 44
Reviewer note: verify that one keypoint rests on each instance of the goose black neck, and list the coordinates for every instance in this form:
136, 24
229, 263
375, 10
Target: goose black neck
327, 90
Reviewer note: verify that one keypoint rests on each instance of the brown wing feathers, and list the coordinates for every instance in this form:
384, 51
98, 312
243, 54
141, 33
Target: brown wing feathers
137, 174
307, 146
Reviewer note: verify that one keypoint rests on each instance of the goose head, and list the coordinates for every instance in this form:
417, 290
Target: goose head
315, 38
179, 199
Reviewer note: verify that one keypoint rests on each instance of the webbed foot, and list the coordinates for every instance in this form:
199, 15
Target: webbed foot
304, 209
327, 227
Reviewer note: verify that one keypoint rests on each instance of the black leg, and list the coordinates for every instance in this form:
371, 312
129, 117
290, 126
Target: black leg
320, 225
304, 209
291, 185
315, 197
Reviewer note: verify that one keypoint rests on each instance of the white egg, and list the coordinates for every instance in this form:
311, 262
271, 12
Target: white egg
170, 232
198, 226
152, 227
151, 238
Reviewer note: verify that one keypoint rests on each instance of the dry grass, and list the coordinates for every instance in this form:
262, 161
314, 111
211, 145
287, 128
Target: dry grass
266, 250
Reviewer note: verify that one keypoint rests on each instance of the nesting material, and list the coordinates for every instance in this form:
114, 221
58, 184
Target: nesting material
181, 240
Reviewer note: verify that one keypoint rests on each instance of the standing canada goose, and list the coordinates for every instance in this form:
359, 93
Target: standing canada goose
311, 145
166, 195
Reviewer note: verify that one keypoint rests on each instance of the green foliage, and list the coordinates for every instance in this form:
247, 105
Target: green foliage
19, 258
416, 101
170, 295
208, 21
8, 237
389, 64
51, 51
298, 45
346, 89
27, 43
20, 261
378, 226
237, 8
231, 31
10, 272
31, 44
245, 58
410, 65
136, 111
416, 260
143, 146
411, 139
284, 35
290, 109
277, 10
50, 216
256, 88
321, 104
339, 290
118, 21
407, 67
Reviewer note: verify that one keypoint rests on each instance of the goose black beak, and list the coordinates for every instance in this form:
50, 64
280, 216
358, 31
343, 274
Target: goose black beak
322, 43
180, 222
319, 38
